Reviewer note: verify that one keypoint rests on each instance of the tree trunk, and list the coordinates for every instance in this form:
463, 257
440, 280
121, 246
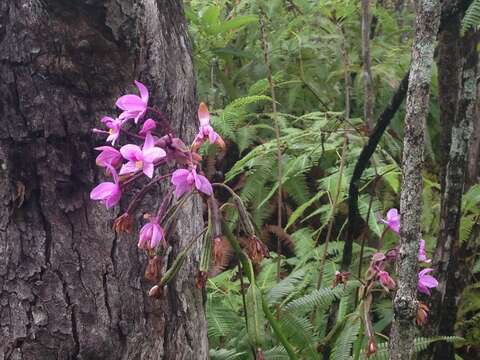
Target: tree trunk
69, 287
447, 259
405, 301
473, 169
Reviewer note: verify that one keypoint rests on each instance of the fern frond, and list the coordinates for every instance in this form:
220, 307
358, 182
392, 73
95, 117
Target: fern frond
344, 342
472, 16
421, 344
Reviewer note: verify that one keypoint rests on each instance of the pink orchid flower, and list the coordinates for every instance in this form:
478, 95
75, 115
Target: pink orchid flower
114, 126
422, 254
393, 220
386, 280
206, 130
108, 156
151, 234
148, 125
426, 282
134, 106
141, 159
108, 192
186, 180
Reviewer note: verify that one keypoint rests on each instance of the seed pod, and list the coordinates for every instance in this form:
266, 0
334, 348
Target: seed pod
255, 316
206, 258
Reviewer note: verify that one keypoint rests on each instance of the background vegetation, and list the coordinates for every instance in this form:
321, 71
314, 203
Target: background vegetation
314, 54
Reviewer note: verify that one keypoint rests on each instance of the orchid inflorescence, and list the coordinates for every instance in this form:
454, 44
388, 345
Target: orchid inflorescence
156, 146
378, 274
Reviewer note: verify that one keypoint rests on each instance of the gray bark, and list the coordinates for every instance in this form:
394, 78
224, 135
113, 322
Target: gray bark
448, 257
70, 288
405, 302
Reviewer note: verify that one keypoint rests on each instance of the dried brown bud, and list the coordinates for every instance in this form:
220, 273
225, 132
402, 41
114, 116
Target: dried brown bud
155, 292
154, 269
422, 314
201, 279
341, 278
259, 354
256, 249
123, 224
371, 347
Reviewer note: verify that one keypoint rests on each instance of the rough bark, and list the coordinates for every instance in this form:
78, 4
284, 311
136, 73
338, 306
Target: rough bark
473, 168
70, 288
405, 302
449, 68
447, 258
367, 68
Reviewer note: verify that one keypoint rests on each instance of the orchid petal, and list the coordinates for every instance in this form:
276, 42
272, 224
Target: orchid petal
154, 154
148, 169
143, 91
149, 142
128, 168
102, 191
131, 152
130, 103
203, 114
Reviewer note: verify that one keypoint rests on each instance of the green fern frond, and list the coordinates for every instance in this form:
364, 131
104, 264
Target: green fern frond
472, 16
343, 344
224, 354
285, 287
421, 344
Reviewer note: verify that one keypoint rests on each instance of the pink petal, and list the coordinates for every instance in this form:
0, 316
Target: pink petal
143, 91
102, 191
212, 136
128, 168
203, 114
429, 281
148, 125
203, 185
131, 152
392, 214
149, 142
182, 188
130, 103
114, 198
148, 169
180, 176
106, 119
424, 272
153, 154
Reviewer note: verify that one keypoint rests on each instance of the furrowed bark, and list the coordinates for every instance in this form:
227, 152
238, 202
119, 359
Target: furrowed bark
448, 257
449, 68
69, 287
405, 302
473, 168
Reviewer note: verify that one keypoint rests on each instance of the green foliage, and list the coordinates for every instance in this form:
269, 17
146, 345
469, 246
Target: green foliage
472, 16
305, 51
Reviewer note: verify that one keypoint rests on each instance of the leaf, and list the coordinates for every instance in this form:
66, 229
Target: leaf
235, 24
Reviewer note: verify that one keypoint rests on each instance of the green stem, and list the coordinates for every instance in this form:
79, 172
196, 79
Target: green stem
248, 269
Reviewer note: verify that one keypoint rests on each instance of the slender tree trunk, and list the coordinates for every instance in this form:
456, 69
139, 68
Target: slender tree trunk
447, 253
449, 68
70, 288
473, 169
405, 301
367, 71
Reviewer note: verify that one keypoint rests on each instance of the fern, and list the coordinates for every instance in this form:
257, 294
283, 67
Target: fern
342, 347
472, 16
420, 344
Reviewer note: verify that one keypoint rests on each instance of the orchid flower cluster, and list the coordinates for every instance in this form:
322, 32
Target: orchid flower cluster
152, 146
377, 274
